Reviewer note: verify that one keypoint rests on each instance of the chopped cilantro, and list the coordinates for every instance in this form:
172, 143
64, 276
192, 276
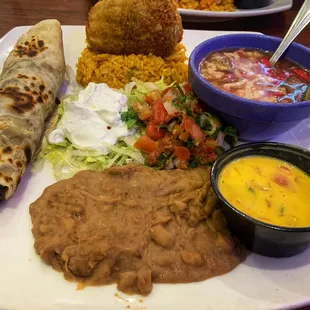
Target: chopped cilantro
193, 164
180, 105
130, 117
230, 131
162, 160
230, 135
281, 211
178, 86
190, 143
250, 189
219, 150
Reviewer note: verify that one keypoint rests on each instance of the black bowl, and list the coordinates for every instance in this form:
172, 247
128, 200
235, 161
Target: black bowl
263, 238
251, 4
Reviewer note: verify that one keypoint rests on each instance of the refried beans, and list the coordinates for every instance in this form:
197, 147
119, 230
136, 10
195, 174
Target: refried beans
134, 226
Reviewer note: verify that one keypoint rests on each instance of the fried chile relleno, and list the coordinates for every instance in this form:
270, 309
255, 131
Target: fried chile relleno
125, 27
134, 226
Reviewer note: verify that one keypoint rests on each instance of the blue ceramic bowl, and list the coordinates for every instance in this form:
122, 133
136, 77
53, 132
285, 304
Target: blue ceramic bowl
254, 120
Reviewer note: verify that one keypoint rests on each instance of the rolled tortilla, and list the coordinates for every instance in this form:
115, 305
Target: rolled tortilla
29, 82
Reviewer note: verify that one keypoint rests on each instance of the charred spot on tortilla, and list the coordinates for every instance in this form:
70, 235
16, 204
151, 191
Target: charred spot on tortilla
3, 190
49, 92
10, 160
18, 163
8, 179
27, 88
45, 97
7, 150
28, 153
42, 87
32, 84
22, 76
40, 43
31, 50
22, 101
40, 99
57, 101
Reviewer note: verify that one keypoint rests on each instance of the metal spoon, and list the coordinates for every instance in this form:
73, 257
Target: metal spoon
299, 23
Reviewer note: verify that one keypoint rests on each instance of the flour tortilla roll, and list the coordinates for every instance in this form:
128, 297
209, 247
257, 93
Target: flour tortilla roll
29, 82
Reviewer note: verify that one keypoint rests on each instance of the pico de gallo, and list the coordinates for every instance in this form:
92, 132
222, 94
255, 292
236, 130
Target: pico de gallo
175, 131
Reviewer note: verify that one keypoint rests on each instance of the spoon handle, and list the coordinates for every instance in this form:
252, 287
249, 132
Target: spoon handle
300, 22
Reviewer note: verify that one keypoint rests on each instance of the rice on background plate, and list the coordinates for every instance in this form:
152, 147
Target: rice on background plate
207, 5
118, 70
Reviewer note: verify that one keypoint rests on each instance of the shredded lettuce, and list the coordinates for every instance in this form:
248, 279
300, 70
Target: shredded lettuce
137, 90
67, 160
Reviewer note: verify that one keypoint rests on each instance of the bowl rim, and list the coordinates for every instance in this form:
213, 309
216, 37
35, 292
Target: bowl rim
213, 180
249, 102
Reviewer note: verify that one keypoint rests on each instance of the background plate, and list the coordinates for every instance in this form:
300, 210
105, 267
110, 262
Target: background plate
211, 16
28, 284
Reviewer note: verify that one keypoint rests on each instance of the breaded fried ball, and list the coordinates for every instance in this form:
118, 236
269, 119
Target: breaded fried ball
124, 27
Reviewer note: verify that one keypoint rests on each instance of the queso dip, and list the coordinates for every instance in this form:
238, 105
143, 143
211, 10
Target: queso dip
268, 189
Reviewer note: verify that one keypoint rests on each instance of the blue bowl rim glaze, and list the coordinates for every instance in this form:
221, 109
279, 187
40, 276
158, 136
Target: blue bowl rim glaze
214, 177
195, 70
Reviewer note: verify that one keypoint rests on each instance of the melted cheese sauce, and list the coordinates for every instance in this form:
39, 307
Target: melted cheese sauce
268, 189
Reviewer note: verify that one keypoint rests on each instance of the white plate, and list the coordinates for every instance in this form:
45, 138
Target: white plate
28, 284
207, 16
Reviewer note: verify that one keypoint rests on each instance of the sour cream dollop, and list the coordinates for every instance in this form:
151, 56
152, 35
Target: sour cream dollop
92, 120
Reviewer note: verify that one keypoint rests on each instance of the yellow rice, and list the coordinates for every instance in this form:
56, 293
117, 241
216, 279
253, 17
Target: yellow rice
118, 70
207, 5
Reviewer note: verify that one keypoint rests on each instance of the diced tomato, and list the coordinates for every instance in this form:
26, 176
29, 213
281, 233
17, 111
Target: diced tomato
210, 146
159, 112
154, 132
186, 87
181, 164
281, 180
188, 124
182, 153
197, 108
152, 158
204, 149
146, 144
166, 144
302, 73
149, 100
184, 136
